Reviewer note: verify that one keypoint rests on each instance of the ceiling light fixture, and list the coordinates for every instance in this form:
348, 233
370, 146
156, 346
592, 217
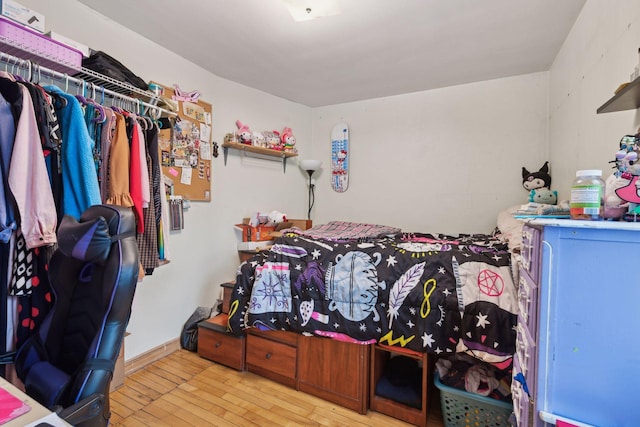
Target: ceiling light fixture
306, 10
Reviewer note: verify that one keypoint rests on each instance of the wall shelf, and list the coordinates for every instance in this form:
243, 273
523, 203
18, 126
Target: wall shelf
628, 98
265, 153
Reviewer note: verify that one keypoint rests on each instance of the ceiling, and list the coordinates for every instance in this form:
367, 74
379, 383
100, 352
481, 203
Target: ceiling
371, 49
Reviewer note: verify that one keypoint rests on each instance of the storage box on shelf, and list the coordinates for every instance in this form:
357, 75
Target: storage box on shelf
259, 233
256, 239
30, 45
22, 14
380, 356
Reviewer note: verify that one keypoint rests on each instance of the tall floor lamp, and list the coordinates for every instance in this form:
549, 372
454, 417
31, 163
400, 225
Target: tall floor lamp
310, 166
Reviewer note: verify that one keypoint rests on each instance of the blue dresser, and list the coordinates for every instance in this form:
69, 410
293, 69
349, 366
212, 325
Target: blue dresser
579, 328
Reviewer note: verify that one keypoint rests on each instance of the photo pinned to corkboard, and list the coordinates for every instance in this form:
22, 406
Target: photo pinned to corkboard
186, 146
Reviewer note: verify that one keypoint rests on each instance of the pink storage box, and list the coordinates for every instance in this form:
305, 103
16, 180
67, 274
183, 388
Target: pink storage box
30, 45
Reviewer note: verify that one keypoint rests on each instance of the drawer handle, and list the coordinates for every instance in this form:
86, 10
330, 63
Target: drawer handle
268, 355
218, 345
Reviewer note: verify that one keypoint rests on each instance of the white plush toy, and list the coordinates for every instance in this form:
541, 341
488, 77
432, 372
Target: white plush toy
270, 219
258, 139
276, 217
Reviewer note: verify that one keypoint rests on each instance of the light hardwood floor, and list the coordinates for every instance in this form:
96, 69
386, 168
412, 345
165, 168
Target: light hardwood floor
183, 389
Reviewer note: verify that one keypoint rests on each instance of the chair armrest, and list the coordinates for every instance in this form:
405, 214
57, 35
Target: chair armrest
7, 358
83, 410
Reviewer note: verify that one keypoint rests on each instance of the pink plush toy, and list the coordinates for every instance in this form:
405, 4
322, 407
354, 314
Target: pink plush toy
288, 140
273, 140
243, 133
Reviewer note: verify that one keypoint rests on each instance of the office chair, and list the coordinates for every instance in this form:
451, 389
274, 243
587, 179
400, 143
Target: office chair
67, 365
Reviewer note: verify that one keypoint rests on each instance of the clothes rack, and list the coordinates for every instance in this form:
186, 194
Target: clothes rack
94, 85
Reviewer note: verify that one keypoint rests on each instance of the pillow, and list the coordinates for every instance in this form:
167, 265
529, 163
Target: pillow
511, 228
84, 241
342, 230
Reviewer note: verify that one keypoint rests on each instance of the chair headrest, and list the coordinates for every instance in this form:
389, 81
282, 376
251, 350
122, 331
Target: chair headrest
86, 241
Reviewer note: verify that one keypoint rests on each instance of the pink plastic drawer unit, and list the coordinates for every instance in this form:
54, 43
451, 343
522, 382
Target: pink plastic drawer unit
30, 45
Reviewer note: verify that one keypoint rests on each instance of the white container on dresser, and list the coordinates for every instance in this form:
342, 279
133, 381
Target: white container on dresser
578, 345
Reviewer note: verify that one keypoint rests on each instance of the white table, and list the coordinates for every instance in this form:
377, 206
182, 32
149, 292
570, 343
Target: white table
36, 413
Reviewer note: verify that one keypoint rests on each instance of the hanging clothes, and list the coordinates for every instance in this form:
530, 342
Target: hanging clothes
32, 309
118, 166
7, 137
28, 177
135, 172
106, 136
29, 193
156, 189
144, 168
79, 179
148, 241
7, 224
51, 144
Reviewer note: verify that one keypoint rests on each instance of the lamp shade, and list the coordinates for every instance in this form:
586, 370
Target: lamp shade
310, 165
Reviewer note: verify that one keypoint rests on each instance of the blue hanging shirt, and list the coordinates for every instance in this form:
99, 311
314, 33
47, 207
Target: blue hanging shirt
80, 187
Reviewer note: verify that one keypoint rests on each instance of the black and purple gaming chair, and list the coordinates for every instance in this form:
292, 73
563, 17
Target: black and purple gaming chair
68, 364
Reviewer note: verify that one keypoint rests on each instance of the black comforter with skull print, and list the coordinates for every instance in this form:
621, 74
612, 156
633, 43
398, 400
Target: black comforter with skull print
429, 293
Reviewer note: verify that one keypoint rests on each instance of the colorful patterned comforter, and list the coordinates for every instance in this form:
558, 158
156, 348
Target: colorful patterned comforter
429, 293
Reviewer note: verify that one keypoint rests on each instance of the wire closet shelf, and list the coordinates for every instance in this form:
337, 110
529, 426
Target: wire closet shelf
91, 83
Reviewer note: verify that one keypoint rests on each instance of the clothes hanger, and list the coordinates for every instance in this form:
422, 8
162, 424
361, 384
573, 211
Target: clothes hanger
149, 122
16, 70
115, 107
101, 117
30, 70
36, 69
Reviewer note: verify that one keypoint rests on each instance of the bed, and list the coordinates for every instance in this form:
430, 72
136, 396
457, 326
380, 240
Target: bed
365, 284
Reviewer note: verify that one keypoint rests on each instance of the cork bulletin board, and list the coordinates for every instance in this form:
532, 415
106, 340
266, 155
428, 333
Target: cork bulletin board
186, 149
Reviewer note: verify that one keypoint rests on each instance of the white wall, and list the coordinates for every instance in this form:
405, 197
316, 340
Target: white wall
445, 160
598, 55
203, 254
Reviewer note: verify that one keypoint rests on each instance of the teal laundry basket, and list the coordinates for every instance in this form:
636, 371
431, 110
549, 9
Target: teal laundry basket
463, 409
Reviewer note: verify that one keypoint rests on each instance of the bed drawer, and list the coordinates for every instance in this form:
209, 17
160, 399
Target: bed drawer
215, 344
275, 360
531, 251
528, 302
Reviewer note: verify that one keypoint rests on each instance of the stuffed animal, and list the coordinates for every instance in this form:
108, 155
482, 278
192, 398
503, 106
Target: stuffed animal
258, 140
533, 180
539, 185
623, 188
543, 195
288, 140
275, 217
243, 133
273, 140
